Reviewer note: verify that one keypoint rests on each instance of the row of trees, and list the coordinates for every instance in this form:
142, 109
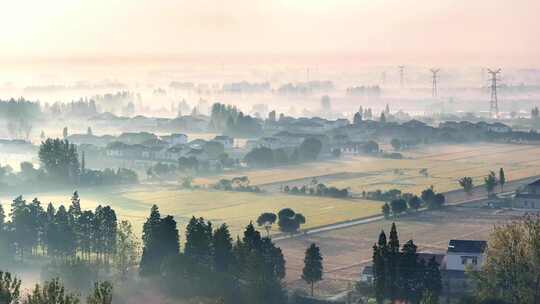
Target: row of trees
52, 292
250, 270
317, 189
308, 150
62, 232
400, 275
407, 201
490, 182
60, 161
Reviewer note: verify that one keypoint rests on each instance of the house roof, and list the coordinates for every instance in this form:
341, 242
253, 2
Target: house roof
467, 246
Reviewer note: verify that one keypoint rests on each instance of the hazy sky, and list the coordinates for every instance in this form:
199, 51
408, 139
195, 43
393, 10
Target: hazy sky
449, 31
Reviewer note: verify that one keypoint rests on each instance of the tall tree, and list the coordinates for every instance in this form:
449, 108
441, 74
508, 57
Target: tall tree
392, 264
126, 249
379, 268
52, 292
223, 249
511, 270
10, 288
490, 182
502, 179
102, 293
199, 241
467, 184
313, 267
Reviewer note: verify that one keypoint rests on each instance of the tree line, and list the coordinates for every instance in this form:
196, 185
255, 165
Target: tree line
400, 276
401, 202
59, 233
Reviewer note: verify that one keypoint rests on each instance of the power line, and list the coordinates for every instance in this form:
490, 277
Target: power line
494, 103
434, 90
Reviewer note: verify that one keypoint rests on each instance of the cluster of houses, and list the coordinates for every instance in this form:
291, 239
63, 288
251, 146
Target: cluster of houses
460, 256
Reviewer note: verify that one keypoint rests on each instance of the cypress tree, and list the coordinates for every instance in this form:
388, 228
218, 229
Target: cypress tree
313, 267
223, 254
379, 267
392, 264
199, 241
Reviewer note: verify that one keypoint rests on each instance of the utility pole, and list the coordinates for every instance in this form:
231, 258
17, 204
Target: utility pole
434, 92
493, 103
401, 76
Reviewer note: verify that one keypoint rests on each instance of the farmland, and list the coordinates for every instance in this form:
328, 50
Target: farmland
445, 164
347, 250
234, 208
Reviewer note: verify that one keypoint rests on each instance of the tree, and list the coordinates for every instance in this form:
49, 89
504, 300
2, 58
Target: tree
52, 292
160, 240
379, 268
10, 288
60, 160
398, 206
386, 210
490, 182
126, 249
102, 293
535, 113
266, 219
511, 271
65, 132
414, 202
392, 264
357, 119
310, 149
89, 131
313, 267
222, 245
396, 143
467, 184
290, 221
502, 179
382, 119
198, 245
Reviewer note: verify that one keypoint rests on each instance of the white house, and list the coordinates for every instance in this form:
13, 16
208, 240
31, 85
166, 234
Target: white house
462, 254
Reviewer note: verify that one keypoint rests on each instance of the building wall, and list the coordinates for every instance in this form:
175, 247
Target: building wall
459, 261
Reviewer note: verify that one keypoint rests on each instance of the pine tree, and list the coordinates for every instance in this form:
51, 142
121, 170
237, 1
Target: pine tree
10, 288
392, 266
313, 267
379, 268
223, 249
53, 292
199, 241
102, 294
433, 279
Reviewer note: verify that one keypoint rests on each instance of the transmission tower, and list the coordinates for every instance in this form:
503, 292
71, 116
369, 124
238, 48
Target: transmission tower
401, 76
434, 91
493, 103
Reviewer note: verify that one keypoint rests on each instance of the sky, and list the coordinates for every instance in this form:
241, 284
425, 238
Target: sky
368, 31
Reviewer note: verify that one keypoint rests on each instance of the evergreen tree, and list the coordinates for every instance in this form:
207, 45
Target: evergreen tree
392, 264
502, 179
223, 249
10, 288
313, 267
433, 280
160, 240
199, 241
379, 267
102, 294
52, 292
